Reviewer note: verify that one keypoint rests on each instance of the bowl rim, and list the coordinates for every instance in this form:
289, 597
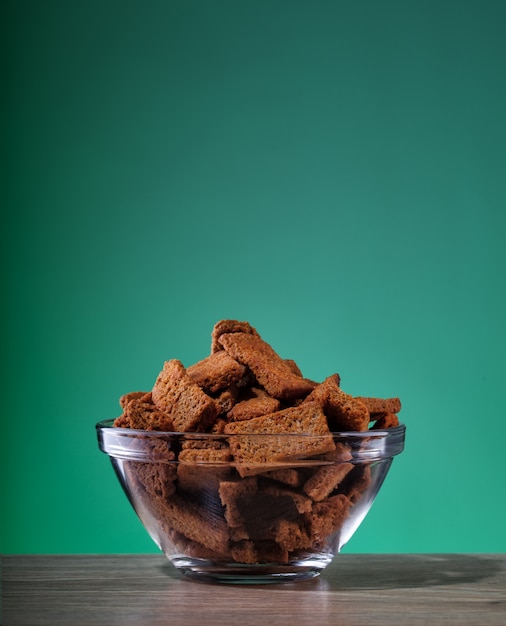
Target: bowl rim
108, 424
367, 446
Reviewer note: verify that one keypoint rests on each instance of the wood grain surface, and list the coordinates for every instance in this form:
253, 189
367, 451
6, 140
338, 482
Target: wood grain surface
436, 589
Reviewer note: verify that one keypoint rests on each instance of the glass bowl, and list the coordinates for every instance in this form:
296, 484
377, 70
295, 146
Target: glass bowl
250, 508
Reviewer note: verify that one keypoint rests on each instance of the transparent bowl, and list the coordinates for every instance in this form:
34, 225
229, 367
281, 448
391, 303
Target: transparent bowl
278, 514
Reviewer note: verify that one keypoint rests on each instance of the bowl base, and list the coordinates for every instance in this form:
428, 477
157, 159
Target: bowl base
248, 574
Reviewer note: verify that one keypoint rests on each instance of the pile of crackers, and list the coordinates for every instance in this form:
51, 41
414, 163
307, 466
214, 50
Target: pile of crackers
234, 495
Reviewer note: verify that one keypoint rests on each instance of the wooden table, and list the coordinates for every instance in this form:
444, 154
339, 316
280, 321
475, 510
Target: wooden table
356, 589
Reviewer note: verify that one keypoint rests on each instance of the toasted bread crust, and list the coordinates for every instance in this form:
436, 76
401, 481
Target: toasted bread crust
217, 371
189, 407
229, 326
133, 395
253, 407
344, 412
388, 420
325, 479
141, 413
275, 374
196, 523
327, 517
254, 454
380, 405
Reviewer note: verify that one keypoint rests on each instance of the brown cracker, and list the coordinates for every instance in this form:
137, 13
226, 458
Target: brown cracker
226, 399
201, 524
244, 552
259, 552
140, 413
190, 408
302, 502
202, 469
217, 371
230, 492
380, 405
286, 475
156, 478
229, 326
193, 548
295, 369
327, 517
219, 426
273, 373
356, 483
388, 420
343, 410
133, 395
253, 407
325, 479
238, 533
292, 535
262, 512
256, 454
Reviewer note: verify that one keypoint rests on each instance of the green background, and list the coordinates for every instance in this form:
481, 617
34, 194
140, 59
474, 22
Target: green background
333, 172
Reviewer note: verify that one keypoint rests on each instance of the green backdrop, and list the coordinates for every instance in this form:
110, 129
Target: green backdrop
331, 171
